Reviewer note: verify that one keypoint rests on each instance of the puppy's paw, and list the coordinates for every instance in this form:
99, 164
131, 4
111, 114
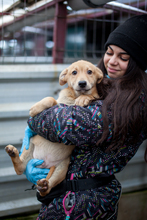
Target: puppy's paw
42, 105
83, 100
12, 151
43, 187
35, 109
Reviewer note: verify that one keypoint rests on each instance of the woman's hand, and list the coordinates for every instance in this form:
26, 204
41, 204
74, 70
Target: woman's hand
26, 141
34, 173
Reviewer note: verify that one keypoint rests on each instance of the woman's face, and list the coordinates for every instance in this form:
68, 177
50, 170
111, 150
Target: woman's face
116, 61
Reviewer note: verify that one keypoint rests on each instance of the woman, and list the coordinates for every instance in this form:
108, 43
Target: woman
107, 133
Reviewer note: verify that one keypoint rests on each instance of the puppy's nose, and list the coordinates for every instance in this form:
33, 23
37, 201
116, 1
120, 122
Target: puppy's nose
82, 84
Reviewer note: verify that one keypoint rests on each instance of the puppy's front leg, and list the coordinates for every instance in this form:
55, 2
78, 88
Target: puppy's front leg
42, 105
84, 100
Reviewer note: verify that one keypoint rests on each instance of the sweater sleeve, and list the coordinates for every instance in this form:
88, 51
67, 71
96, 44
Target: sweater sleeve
69, 124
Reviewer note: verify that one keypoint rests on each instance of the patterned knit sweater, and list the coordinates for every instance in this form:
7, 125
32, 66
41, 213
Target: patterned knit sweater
83, 127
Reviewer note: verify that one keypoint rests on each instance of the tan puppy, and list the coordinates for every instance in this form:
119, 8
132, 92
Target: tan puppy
82, 78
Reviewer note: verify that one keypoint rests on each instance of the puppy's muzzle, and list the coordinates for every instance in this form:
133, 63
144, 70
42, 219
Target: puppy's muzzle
82, 84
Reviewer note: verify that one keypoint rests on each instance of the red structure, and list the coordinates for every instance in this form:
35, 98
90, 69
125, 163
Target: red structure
59, 32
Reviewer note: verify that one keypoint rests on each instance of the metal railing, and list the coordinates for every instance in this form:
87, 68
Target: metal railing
27, 31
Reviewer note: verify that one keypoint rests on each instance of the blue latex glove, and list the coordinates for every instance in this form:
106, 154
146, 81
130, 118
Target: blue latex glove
26, 141
34, 173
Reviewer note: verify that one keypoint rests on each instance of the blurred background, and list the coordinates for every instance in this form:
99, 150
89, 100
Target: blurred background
38, 39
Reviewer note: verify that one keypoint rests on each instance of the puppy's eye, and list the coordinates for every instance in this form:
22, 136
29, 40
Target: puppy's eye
89, 72
74, 72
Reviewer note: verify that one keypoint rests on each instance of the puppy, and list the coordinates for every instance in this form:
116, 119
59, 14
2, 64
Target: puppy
82, 78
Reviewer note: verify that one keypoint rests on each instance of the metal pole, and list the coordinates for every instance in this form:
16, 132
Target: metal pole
59, 34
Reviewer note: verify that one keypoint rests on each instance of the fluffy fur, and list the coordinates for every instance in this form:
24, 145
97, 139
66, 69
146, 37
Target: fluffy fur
82, 78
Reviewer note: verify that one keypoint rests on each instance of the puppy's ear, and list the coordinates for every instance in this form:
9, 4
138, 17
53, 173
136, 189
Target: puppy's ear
63, 77
99, 75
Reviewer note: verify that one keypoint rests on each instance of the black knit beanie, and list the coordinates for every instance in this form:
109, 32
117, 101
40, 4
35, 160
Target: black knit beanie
131, 36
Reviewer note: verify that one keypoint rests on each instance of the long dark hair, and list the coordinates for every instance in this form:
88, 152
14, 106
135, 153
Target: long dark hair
124, 97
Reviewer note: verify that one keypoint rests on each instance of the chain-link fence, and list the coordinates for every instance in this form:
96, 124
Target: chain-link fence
27, 29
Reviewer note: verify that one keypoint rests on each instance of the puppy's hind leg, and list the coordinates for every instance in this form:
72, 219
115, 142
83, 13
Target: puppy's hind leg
58, 175
20, 163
